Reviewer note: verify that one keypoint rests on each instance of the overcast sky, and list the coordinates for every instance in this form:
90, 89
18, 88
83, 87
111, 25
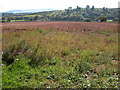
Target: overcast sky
6, 5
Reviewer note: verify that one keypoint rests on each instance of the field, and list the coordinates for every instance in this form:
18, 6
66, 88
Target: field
60, 55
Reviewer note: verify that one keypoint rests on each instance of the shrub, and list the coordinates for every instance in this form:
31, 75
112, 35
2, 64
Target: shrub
102, 18
14, 50
88, 20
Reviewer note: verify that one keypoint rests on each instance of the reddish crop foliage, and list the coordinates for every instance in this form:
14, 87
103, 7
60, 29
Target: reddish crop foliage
80, 26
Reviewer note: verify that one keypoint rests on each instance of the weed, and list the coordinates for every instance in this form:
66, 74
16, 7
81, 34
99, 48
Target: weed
48, 58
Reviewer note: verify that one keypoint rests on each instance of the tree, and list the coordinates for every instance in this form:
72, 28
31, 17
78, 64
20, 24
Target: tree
116, 19
8, 19
3, 18
87, 20
102, 18
12, 18
103, 8
92, 8
36, 17
78, 8
87, 7
69, 8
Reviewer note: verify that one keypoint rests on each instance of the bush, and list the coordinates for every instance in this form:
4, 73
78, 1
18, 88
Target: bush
88, 20
102, 18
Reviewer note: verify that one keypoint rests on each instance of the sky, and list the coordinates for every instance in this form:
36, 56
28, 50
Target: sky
6, 5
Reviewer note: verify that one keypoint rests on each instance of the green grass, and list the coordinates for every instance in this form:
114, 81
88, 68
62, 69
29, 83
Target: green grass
59, 59
109, 20
17, 20
32, 15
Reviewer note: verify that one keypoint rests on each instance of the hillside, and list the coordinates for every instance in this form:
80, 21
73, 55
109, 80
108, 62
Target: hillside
28, 11
77, 14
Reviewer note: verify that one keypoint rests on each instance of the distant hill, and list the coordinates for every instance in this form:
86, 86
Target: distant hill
87, 14
28, 11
